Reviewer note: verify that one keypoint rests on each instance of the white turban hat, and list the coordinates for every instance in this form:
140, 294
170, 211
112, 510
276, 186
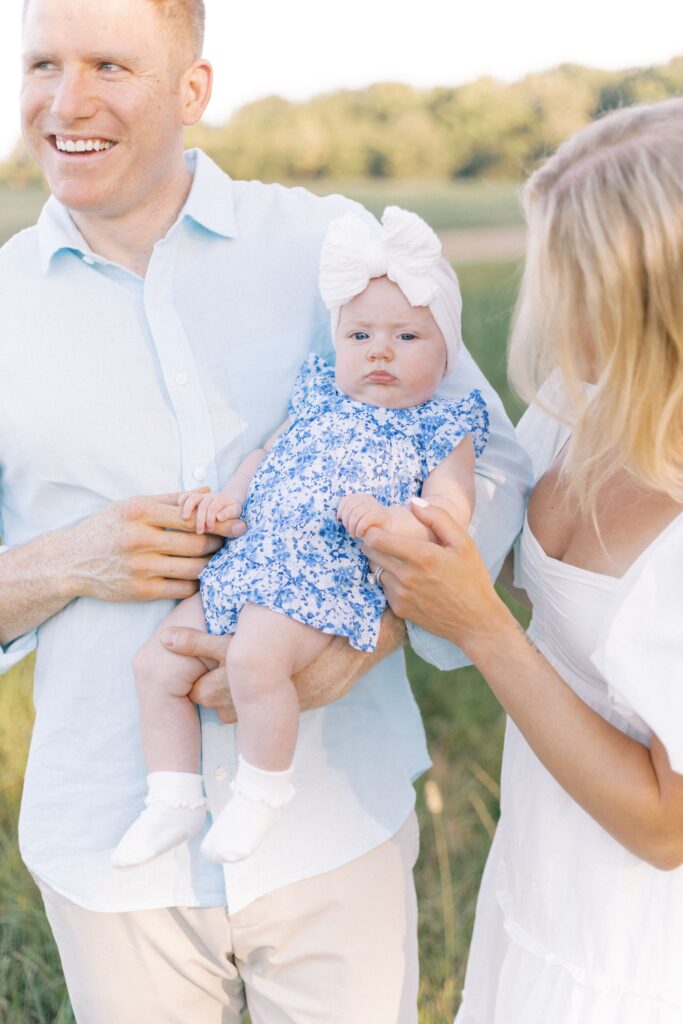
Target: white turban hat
403, 248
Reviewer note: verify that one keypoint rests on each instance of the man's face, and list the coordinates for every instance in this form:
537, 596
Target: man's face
101, 101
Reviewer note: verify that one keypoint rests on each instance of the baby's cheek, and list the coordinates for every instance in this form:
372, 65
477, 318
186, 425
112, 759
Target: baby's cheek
425, 381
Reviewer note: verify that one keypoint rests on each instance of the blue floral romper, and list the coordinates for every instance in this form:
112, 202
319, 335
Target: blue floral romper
296, 557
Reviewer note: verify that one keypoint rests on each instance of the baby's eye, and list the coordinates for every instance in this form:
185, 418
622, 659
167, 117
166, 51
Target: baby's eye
407, 336
359, 336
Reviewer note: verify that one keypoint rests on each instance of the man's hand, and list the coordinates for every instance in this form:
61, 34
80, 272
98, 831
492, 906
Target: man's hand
140, 549
136, 550
359, 512
211, 690
325, 680
211, 510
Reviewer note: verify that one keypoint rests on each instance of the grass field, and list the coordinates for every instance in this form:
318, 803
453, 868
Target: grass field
446, 205
464, 723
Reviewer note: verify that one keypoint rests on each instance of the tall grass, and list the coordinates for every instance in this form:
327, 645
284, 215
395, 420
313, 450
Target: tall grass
464, 725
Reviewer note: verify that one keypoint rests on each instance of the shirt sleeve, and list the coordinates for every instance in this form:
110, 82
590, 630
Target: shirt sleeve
502, 482
11, 654
640, 653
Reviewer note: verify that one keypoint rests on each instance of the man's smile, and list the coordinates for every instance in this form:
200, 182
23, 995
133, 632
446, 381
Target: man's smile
75, 144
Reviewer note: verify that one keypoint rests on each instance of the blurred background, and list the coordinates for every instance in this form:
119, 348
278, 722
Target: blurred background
441, 109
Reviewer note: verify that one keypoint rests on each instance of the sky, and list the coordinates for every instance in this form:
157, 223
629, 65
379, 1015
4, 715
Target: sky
303, 47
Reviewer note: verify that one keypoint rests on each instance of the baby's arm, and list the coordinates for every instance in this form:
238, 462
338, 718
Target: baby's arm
450, 486
228, 502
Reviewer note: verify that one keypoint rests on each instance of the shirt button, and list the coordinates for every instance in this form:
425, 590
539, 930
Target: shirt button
89, 260
199, 474
220, 775
181, 378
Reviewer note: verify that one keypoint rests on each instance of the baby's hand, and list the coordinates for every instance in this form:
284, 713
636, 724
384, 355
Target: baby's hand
358, 512
209, 508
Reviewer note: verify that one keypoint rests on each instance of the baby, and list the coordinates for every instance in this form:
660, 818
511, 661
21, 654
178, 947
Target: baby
362, 439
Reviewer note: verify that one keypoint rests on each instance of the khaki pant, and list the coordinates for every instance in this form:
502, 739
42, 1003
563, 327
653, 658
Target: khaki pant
339, 948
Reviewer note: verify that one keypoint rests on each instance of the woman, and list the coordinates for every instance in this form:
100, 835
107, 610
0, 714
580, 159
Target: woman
580, 913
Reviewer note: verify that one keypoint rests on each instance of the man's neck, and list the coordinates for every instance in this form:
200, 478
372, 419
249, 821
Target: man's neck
129, 239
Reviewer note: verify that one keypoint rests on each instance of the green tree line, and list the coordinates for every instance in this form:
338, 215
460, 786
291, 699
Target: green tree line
485, 128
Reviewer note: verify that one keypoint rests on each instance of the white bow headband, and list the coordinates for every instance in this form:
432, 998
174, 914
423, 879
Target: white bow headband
405, 249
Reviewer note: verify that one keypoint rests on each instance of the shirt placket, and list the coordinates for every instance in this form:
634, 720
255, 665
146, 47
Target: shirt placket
198, 465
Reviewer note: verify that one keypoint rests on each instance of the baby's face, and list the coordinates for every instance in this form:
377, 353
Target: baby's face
389, 353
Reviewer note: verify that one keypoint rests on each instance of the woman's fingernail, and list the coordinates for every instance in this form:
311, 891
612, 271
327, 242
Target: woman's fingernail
168, 638
420, 502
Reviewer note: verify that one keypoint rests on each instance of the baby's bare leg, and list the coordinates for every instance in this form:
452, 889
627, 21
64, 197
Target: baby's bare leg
266, 651
169, 725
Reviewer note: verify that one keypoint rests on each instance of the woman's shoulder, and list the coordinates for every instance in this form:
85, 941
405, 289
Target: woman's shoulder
546, 425
640, 650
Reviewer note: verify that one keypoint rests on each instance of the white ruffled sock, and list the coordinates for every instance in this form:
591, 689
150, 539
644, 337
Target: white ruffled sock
249, 815
175, 809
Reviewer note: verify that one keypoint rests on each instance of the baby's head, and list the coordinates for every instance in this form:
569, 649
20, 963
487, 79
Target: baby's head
395, 306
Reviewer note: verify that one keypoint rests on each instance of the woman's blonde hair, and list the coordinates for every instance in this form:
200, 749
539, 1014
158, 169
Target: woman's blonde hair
602, 296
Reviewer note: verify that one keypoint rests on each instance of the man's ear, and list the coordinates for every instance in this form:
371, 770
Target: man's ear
195, 91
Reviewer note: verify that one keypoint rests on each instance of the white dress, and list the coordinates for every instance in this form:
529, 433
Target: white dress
571, 928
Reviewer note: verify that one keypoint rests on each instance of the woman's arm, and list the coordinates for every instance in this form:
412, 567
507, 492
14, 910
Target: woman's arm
449, 486
629, 790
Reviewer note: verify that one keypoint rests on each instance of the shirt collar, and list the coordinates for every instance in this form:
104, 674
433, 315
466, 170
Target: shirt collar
210, 204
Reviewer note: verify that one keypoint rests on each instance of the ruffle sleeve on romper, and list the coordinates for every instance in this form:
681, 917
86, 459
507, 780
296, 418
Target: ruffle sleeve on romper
314, 375
445, 423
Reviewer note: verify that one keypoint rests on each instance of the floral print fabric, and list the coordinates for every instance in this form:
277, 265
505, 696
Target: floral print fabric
296, 557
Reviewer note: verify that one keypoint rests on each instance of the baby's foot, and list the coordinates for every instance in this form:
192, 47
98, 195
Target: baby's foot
248, 817
175, 811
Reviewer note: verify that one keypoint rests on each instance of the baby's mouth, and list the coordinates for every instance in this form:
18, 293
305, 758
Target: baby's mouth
380, 377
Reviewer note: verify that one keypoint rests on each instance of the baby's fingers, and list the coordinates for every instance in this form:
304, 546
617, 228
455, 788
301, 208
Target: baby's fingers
369, 517
348, 507
364, 509
190, 505
196, 494
232, 510
203, 512
212, 512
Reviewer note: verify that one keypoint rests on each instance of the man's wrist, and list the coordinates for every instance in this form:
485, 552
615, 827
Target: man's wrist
63, 555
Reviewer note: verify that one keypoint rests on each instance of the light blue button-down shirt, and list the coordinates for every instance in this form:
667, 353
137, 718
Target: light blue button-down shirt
114, 385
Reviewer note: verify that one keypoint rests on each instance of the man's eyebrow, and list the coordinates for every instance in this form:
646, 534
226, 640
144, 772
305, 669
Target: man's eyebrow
32, 56
35, 56
112, 57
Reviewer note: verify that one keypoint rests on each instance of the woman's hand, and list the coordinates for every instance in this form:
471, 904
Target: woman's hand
444, 587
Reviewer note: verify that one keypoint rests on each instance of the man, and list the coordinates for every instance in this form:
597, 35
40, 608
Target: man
154, 321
